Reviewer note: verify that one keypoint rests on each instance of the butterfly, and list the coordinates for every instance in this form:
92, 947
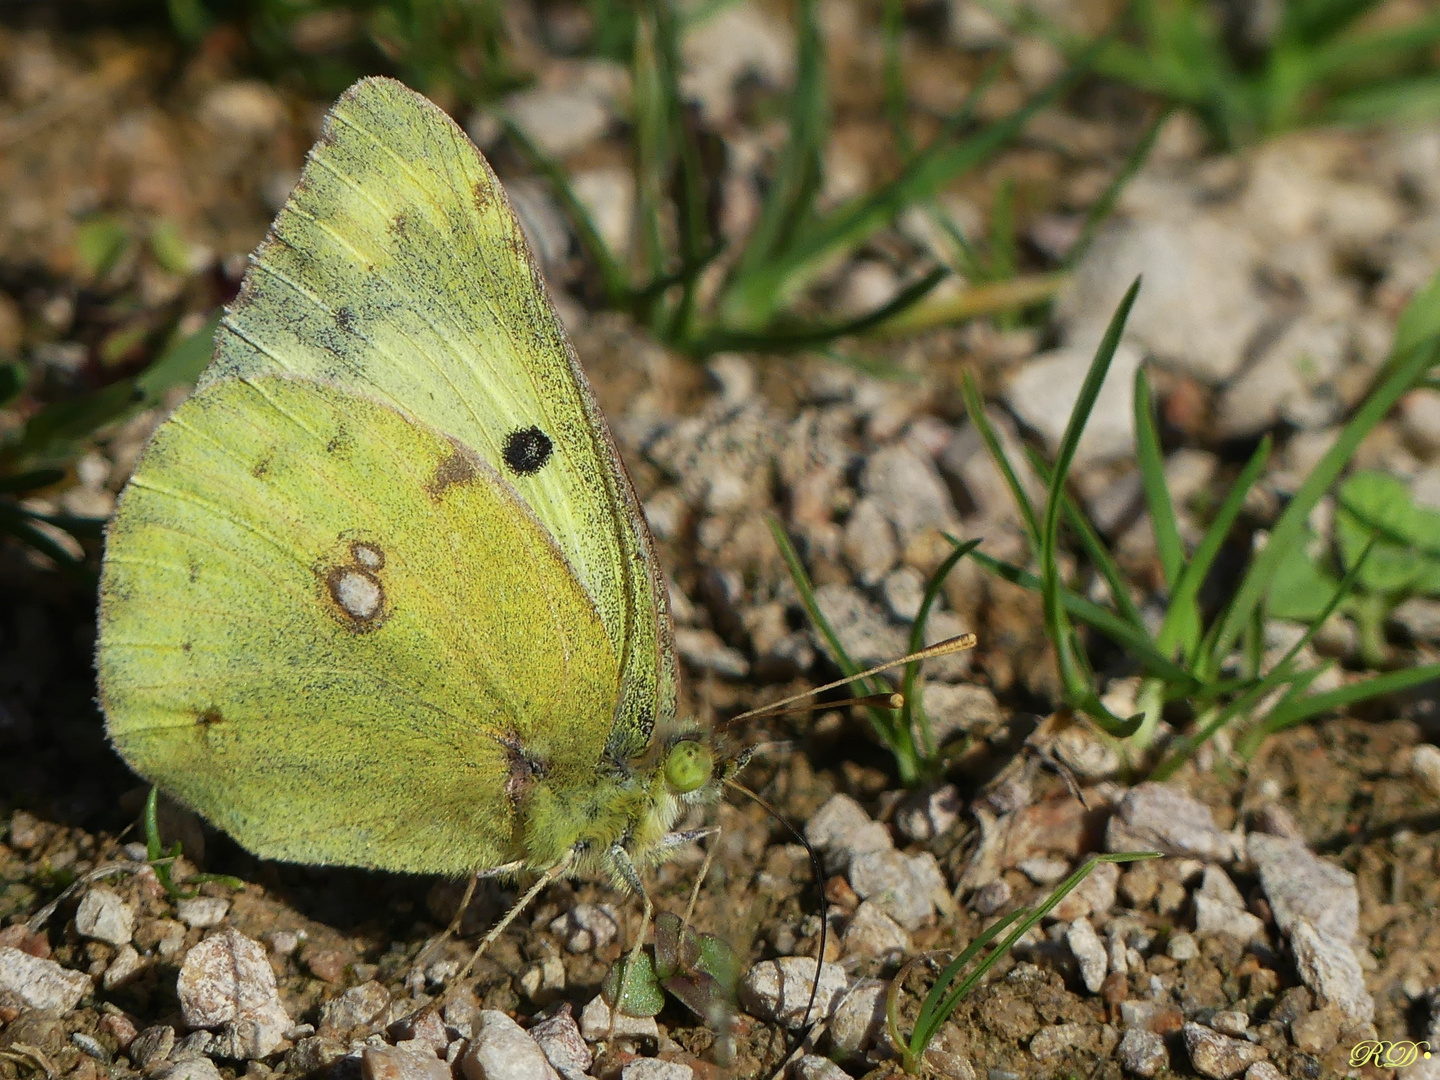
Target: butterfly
380, 592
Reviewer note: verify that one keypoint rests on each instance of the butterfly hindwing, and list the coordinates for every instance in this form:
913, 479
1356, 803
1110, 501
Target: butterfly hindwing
339, 634
397, 269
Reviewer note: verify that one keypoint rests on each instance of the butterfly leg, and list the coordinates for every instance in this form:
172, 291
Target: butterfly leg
520, 905
423, 960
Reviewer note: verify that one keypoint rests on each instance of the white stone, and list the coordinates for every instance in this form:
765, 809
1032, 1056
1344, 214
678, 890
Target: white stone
104, 916
779, 990
202, 912
1089, 952
502, 1050
226, 983
1043, 392
41, 984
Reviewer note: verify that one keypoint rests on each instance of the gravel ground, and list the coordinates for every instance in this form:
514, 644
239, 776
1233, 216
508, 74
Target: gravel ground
1296, 911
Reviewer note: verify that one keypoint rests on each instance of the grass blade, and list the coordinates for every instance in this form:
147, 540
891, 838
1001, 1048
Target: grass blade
975, 406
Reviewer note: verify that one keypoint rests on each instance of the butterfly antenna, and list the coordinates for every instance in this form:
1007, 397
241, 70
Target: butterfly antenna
805, 1025
941, 648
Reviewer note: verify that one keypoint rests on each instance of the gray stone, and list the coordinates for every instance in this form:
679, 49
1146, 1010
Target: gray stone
815, 1067
1043, 393
152, 1045
608, 196
405, 1062
863, 630
357, 1006
104, 916
1044, 869
1198, 308
1292, 380
738, 40
1328, 966
1181, 946
958, 708
1425, 766
1213, 917
598, 1022
1419, 617
903, 885
908, 490
202, 912
841, 830
586, 927
502, 1050
871, 932
1217, 1055
859, 1019
991, 897
122, 966
1055, 1039
1089, 952
226, 983
1159, 817
1143, 1053
41, 984
655, 1069
702, 649
927, 814
779, 990
1231, 1022
559, 122
1263, 1070
1093, 896
559, 1037
869, 542
1302, 886
904, 592
190, 1068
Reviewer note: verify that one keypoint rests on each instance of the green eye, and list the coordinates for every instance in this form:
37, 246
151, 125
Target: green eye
689, 766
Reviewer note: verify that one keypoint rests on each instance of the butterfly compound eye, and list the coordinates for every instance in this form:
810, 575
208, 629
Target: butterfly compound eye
689, 766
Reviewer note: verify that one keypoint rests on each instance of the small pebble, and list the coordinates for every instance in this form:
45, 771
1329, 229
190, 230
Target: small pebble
202, 912
1044, 869
502, 1050
904, 885
1182, 947
779, 990
841, 830
191, 1068
90, 1046
871, 932
655, 1069
1230, 1022
226, 982
151, 1045
1159, 817
991, 897
1142, 1053
1263, 1070
564, 1047
356, 1006
586, 928
41, 984
1089, 952
544, 978
1217, 1055
1317, 1031
859, 1018
1330, 968
1093, 896
125, 963
402, 1063
1056, 1039
598, 1023
929, 813
104, 916
814, 1067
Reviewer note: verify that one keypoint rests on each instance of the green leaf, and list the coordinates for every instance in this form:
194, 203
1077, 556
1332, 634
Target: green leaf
1406, 552
1301, 589
100, 243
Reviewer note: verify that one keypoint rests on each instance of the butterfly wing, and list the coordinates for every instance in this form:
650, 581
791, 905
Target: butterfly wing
341, 636
398, 269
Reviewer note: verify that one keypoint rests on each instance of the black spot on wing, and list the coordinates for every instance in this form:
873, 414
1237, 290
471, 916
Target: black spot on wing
345, 319
527, 450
